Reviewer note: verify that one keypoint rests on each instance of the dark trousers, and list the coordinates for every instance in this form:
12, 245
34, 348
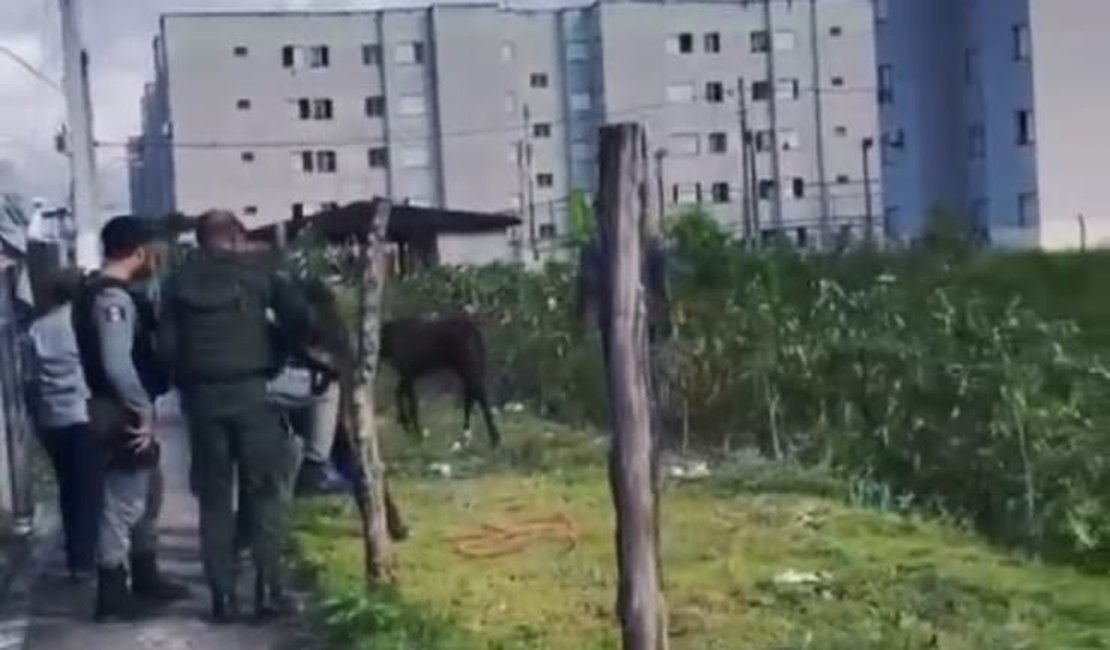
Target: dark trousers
79, 464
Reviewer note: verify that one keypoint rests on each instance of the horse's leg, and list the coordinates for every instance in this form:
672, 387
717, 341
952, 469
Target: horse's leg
414, 410
399, 398
468, 404
491, 428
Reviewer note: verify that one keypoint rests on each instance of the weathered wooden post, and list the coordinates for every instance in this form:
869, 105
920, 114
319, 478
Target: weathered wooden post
380, 568
621, 223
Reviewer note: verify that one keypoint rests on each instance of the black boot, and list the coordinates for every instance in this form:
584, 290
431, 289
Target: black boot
147, 581
113, 599
271, 602
225, 607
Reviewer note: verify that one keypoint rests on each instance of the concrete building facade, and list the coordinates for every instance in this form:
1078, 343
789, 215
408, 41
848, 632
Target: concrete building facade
991, 111
489, 108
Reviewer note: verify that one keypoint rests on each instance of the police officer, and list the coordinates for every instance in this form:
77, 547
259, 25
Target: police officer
114, 340
216, 338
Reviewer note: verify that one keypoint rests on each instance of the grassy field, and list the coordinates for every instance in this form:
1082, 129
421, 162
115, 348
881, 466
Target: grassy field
756, 557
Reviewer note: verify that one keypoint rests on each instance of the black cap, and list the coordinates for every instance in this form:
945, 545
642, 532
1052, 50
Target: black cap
125, 234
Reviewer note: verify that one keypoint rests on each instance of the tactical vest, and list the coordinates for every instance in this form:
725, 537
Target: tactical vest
219, 307
143, 353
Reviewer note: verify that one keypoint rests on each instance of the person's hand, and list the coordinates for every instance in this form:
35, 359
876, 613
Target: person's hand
142, 436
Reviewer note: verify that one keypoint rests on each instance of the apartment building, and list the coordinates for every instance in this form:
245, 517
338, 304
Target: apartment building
993, 110
483, 107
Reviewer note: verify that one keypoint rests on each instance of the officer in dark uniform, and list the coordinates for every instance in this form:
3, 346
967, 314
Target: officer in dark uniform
216, 339
114, 336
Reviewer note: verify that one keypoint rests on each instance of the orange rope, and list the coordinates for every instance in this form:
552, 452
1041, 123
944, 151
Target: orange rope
498, 540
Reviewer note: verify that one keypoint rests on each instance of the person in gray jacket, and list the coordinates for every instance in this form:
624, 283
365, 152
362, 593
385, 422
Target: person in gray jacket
58, 404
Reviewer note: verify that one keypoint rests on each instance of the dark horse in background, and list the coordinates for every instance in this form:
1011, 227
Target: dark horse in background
416, 348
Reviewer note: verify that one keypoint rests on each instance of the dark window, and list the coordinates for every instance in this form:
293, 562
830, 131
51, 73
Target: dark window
718, 142
843, 179
886, 84
247, 156
761, 41
538, 80
835, 30
766, 189
547, 231
840, 131
322, 109
802, 237
304, 108
1024, 124
799, 188
545, 180
764, 140
298, 211
375, 106
379, 157
761, 91
713, 42
240, 50
325, 162
541, 130
250, 210
319, 56
721, 193
838, 81
418, 52
288, 56
1021, 42
371, 54
307, 164
243, 104
686, 43
714, 92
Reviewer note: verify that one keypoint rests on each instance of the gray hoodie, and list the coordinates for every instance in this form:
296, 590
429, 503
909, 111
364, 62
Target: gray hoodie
55, 369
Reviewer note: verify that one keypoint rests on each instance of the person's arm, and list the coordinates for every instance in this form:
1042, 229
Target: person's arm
294, 315
166, 340
116, 319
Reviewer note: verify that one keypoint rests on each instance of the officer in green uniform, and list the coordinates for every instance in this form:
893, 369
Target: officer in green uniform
216, 341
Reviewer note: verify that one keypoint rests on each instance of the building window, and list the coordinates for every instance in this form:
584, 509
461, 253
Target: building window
379, 157
541, 130
409, 53
375, 106
838, 81
322, 109
240, 51
416, 157
581, 102
297, 211
835, 31
976, 141
247, 156
840, 131
761, 91
761, 41
411, 105
319, 56
971, 65
713, 42
304, 161
250, 210
578, 51
766, 189
508, 51
538, 80
288, 56
789, 140
683, 144
1025, 130
680, 93
686, 193
720, 192
801, 237
243, 104
886, 84
1022, 44
798, 188
718, 142
685, 43
785, 40
843, 179
545, 180
1028, 209
764, 141
787, 89
714, 92
547, 231
372, 54
325, 162
882, 10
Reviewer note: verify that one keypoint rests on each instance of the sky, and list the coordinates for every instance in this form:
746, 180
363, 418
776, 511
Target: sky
118, 35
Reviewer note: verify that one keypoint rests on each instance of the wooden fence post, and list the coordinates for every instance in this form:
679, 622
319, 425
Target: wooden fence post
380, 567
632, 455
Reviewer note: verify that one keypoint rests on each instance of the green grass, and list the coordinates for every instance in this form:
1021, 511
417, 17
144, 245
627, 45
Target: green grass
892, 582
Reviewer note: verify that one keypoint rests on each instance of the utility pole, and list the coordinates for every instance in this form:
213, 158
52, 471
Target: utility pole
869, 217
773, 114
748, 201
526, 114
660, 154
819, 123
75, 81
